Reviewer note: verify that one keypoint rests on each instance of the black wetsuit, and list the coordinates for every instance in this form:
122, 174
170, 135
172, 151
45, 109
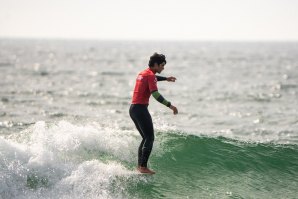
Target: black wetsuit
141, 117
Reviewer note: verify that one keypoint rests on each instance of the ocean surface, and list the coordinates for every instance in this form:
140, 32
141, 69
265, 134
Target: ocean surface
65, 131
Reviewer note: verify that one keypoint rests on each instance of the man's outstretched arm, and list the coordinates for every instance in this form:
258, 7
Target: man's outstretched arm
169, 79
160, 78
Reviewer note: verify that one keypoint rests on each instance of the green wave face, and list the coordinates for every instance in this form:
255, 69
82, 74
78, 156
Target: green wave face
202, 167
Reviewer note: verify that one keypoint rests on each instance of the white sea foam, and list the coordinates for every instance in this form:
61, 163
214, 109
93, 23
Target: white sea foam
66, 161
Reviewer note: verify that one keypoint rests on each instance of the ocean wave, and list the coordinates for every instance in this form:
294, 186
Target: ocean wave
64, 160
230, 154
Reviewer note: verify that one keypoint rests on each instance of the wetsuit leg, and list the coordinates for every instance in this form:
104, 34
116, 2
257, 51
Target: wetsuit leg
142, 143
143, 121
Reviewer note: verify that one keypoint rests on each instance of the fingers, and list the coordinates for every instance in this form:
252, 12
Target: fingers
175, 111
171, 79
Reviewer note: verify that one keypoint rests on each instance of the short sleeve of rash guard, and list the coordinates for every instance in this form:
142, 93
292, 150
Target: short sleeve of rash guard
152, 81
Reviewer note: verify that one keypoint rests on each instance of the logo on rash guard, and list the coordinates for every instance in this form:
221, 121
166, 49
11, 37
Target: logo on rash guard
140, 77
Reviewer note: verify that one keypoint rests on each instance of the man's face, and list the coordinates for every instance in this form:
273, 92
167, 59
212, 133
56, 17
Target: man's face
160, 67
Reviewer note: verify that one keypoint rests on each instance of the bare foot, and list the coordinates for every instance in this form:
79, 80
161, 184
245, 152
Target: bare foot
145, 170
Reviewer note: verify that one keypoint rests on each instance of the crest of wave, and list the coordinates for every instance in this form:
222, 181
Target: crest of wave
54, 161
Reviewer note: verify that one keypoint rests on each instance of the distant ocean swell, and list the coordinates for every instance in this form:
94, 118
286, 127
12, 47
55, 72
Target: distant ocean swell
64, 160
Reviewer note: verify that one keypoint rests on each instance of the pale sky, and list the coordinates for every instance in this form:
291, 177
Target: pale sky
150, 19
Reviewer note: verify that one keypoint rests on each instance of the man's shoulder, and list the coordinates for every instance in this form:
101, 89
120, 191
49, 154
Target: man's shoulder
147, 72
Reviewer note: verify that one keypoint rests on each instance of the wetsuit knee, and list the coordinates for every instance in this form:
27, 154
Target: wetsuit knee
148, 142
151, 138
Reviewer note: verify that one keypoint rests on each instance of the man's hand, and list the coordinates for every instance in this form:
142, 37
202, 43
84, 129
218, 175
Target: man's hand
171, 79
175, 110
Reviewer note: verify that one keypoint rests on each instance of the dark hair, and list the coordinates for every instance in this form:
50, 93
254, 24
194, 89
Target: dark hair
157, 58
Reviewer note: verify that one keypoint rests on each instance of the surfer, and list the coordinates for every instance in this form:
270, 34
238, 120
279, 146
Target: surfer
146, 85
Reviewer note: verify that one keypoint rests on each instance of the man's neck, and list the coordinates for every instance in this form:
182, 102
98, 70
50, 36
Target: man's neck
152, 70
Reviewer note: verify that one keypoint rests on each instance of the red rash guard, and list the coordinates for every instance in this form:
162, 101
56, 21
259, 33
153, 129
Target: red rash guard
146, 83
